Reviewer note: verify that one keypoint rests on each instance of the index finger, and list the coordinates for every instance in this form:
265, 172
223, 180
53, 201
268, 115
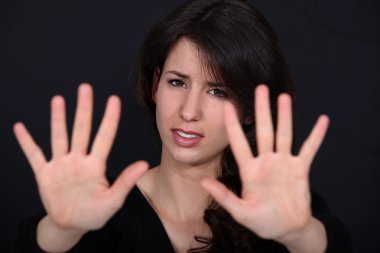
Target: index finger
314, 140
238, 141
107, 130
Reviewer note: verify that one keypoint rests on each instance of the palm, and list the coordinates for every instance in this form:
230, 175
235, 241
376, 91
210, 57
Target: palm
275, 197
72, 185
271, 192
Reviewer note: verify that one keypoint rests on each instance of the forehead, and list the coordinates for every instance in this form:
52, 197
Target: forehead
186, 58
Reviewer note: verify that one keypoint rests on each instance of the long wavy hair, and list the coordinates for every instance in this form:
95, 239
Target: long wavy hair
241, 50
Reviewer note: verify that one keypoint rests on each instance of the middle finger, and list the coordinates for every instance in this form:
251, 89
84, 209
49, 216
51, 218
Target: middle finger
83, 120
59, 141
284, 132
264, 127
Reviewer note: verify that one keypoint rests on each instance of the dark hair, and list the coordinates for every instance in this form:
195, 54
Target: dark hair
241, 50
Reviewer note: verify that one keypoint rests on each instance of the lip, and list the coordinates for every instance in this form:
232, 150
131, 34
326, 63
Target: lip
187, 132
186, 142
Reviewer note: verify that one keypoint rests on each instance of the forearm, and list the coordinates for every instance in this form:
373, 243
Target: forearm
51, 238
312, 239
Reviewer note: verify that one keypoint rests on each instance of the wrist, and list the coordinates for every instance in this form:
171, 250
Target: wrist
312, 238
53, 238
54, 227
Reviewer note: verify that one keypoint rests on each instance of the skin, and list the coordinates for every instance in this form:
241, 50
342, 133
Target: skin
275, 201
72, 185
190, 103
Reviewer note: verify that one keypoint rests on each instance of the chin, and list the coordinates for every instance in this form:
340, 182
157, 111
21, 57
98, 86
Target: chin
192, 157
189, 158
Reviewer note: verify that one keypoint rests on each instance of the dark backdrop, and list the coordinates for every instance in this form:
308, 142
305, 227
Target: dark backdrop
49, 47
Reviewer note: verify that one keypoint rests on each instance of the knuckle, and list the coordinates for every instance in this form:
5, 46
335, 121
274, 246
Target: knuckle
106, 135
82, 127
35, 152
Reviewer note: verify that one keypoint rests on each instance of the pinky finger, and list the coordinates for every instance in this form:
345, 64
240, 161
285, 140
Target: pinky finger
31, 150
313, 142
227, 199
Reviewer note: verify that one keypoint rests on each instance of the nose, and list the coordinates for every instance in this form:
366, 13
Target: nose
191, 109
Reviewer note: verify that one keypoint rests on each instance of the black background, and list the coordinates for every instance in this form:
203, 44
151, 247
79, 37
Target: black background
332, 47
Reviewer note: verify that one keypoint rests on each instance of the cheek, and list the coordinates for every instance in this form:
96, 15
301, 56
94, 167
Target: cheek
162, 112
166, 105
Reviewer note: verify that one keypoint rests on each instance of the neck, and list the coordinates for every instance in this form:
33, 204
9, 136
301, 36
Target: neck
177, 187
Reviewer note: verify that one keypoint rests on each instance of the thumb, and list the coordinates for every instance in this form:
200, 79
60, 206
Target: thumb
224, 197
126, 181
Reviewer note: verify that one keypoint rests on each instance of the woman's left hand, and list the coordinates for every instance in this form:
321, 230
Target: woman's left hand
275, 197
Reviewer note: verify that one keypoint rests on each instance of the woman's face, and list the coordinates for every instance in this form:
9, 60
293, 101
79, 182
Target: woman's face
189, 108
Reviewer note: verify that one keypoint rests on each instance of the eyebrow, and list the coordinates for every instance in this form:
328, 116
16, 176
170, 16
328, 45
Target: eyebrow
175, 72
184, 76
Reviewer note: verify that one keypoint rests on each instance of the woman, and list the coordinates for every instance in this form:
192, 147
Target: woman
213, 191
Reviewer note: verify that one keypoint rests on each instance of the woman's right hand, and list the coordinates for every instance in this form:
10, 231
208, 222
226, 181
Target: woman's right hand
72, 185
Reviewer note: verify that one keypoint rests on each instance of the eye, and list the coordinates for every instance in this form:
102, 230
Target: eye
176, 83
218, 93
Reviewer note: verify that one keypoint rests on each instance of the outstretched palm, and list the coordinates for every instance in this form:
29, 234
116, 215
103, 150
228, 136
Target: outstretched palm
72, 185
275, 197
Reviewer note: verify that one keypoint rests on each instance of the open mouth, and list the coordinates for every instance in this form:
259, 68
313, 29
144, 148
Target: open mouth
188, 136
186, 139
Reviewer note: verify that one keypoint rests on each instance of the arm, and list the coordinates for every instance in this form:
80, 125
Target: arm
338, 237
73, 188
52, 238
275, 200
312, 239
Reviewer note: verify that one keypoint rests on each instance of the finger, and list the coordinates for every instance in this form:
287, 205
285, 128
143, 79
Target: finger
264, 127
313, 142
108, 129
59, 139
31, 150
284, 132
223, 196
83, 120
126, 181
238, 141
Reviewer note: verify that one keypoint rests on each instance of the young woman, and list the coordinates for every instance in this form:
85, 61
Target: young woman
227, 181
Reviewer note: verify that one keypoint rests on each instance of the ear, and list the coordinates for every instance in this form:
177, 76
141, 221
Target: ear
156, 80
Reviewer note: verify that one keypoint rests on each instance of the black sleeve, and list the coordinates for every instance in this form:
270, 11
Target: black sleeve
26, 236
338, 238
135, 228
103, 240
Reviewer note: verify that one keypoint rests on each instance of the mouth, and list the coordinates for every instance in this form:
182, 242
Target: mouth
186, 139
187, 134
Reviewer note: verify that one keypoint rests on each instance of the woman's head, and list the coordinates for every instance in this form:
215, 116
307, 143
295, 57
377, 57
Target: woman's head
235, 42
189, 108
237, 50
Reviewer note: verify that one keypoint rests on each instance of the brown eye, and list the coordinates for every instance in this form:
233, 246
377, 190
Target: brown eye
218, 93
176, 83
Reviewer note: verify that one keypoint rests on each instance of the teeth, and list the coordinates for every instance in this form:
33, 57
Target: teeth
187, 135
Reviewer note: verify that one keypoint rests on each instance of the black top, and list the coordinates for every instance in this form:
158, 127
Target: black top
136, 228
